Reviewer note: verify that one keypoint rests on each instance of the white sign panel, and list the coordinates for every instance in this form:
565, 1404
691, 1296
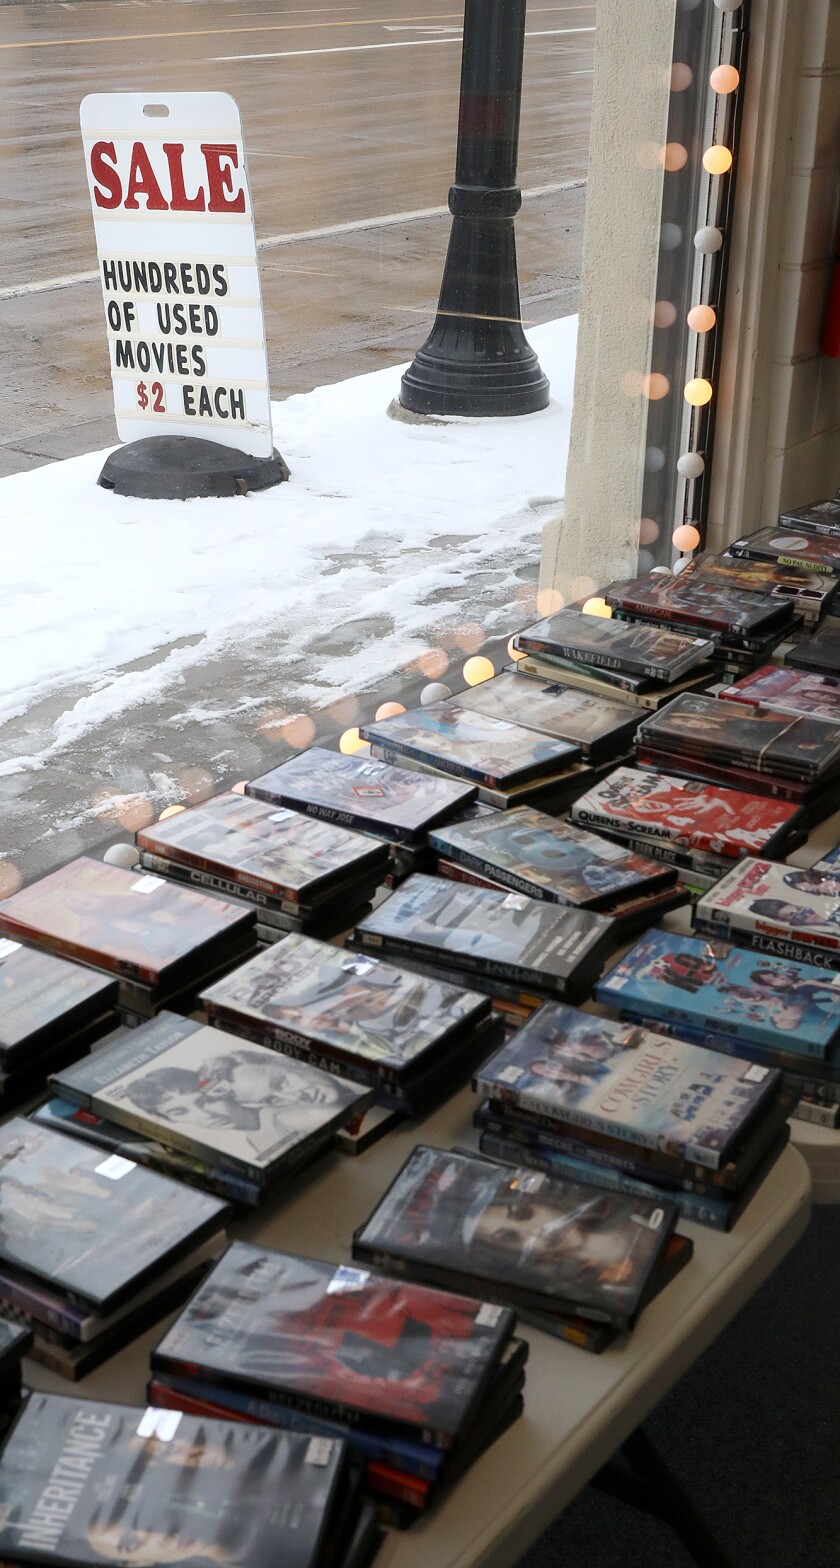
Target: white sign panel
178, 265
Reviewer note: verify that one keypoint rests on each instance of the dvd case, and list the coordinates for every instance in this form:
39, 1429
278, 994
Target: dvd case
643, 651
761, 896
601, 727
471, 745
784, 744
789, 547
361, 793
45, 998
820, 653
788, 691
820, 517
694, 816
722, 610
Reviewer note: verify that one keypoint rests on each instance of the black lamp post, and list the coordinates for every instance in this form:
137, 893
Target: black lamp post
477, 360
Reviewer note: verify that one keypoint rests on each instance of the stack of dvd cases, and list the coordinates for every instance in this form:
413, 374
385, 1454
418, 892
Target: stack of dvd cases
15, 1343
776, 1011
574, 1260
51, 1011
745, 627
234, 1118
789, 691
602, 727
297, 873
809, 593
784, 544
516, 949
409, 1037
785, 756
701, 828
553, 861
85, 1482
392, 804
419, 1382
587, 1099
93, 1248
820, 653
642, 664
162, 941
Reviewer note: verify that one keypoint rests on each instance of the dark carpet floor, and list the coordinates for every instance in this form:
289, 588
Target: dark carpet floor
752, 1432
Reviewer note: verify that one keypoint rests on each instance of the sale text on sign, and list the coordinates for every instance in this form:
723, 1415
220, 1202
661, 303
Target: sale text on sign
178, 266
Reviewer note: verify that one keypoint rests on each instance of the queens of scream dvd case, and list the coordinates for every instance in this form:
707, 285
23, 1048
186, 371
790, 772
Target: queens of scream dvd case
700, 817
548, 859
629, 1083
715, 987
472, 745
359, 792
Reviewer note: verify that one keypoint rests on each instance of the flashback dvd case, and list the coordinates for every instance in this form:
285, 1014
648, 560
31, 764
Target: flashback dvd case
490, 931
306, 996
644, 651
788, 691
89, 1227
713, 986
338, 1341
785, 744
721, 610
138, 926
471, 745
600, 727
212, 1095
791, 547
43, 998
551, 1245
536, 854
630, 1083
281, 852
84, 1482
820, 653
690, 815
361, 793
784, 901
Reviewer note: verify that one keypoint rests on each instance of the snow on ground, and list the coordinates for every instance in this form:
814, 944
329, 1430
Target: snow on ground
93, 583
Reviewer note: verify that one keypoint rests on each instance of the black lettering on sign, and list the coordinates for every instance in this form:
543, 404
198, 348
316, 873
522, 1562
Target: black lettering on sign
188, 394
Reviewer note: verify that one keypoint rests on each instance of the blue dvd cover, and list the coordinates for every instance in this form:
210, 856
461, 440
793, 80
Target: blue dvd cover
715, 986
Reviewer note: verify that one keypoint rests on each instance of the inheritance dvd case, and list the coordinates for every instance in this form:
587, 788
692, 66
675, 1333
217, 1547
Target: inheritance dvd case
763, 897
629, 1083
691, 815
278, 851
721, 610
530, 1241
720, 989
600, 728
138, 926
490, 931
788, 691
536, 854
43, 998
338, 1342
472, 745
211, 1094
820, 653
361, 793
88, 1483
785, 744
644, 651
87, 1227
306, 996
789, 547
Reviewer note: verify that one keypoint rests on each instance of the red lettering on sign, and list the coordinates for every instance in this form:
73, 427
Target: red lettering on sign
181, 202
220, 179
108, 192
142, 182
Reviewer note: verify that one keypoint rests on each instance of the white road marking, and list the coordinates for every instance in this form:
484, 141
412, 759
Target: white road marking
408, 43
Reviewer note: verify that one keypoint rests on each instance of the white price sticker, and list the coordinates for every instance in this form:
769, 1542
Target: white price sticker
346, 1279
488, 1315
282, 815
115, 1167
510, 1074
7, 946
319, 1450
359, 966
162, 1424
515, 901
756, 1074
146, 884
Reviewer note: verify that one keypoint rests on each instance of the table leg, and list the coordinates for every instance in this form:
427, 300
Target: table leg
644, 1481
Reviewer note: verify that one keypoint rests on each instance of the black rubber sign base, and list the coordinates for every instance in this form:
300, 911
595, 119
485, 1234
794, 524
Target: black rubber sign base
181, 468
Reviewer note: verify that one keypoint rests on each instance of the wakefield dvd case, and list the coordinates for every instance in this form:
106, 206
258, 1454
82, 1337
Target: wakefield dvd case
339, 1342
629, 1083
274, 849
721, 611
44, 998
791, 547
695, 816
306, 997
787, 745
361, 793
643, 651
788, 691
85, 1483
138, 926
600, 728
472, 745
820, 653
212, 1095
716, 987
516, 1236
90, 1227
489, 931
536, 854
762, 897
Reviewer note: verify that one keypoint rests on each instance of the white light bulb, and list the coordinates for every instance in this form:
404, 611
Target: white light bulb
690, 465
434, 692
708, 240
670, 236
654, 459
681, 564
727, 5
122, 855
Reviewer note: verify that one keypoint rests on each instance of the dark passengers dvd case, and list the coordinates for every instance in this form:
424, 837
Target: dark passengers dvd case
210, 1094
87, 1483
494, 933
472, 745
140, 927
358, 792
44, 998
647, 652
600, 728
516, 1236
338, 1342
536, 854
87, 1226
